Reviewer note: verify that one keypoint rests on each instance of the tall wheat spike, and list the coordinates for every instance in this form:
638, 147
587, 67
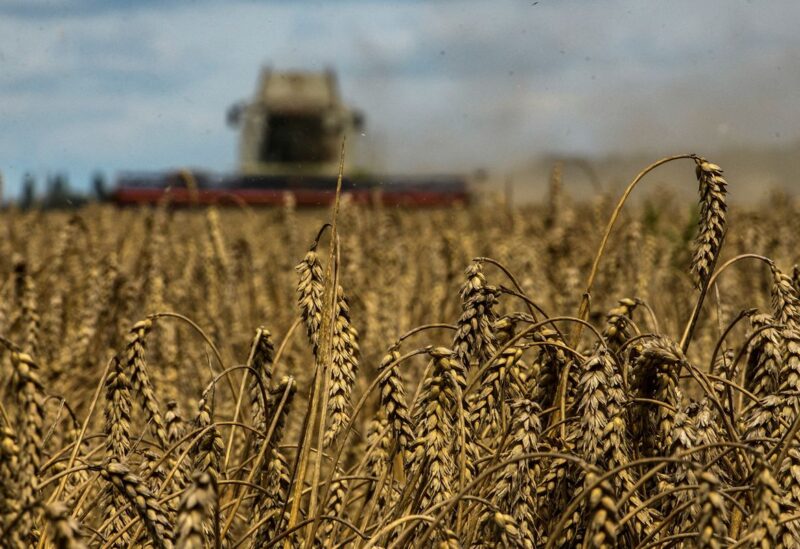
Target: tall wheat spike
711, 228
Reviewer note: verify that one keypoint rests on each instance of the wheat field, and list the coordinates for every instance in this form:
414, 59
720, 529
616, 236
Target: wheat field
571, 374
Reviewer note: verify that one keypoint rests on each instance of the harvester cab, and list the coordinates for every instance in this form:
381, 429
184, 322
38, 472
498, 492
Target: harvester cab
294, 125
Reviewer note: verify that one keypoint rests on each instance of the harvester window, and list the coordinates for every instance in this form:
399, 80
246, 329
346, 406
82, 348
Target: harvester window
294, 138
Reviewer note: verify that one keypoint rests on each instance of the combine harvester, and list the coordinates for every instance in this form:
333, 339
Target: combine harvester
291, 135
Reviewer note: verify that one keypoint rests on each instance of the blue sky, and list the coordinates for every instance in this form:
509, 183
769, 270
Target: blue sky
115, 85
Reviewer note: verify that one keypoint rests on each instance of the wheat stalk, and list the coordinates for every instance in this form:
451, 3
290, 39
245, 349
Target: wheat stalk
711, 228
435, 429
711, 518
655, 376
10, 504
194, 510
29, 429
310, 290
393, 402
762, 376
601, 531
474, 337
135, 364
142, 500
343, 368
206, 456
764, 528
64, 530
